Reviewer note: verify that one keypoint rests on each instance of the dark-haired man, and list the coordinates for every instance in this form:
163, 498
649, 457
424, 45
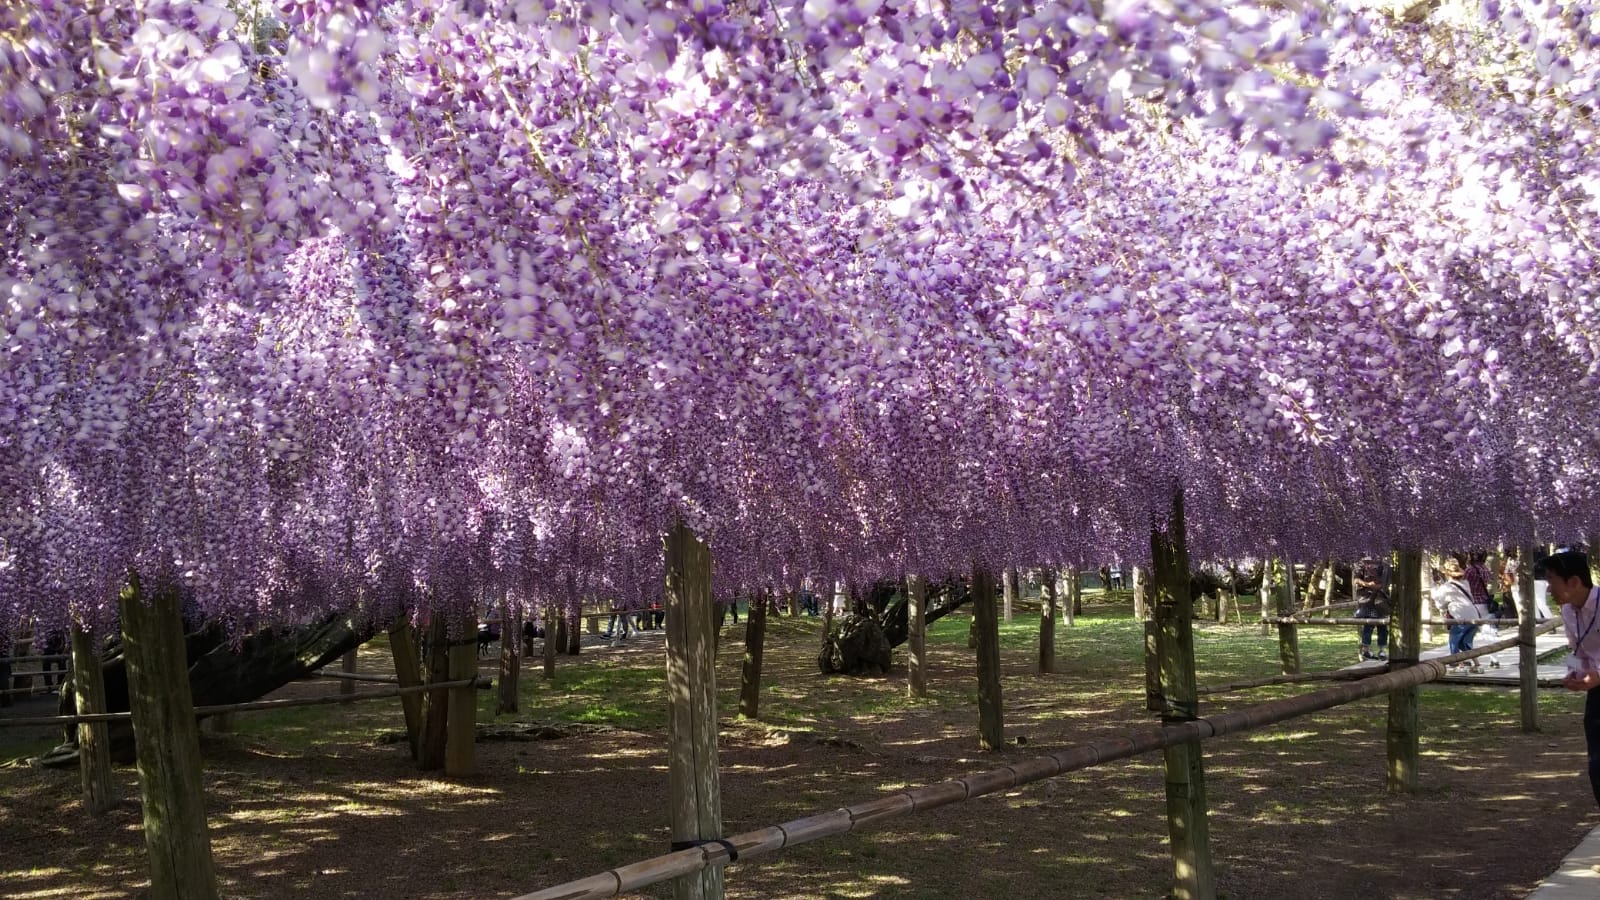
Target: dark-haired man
1572, 587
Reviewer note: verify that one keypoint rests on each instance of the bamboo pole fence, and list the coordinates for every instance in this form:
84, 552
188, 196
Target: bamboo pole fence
356, 676
247, 707
1291, 620
773, 838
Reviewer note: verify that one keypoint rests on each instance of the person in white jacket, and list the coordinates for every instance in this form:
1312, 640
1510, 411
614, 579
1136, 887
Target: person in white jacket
1453, 598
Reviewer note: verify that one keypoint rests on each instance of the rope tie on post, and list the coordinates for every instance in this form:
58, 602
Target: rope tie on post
1180, 711
733, 853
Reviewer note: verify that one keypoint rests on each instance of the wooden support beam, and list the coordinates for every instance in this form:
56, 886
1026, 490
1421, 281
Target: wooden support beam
1405, 647
435, 713
1527, 649
460, 748
168, 744
755, 638
1008, 588
1288, 636
551, 617
1047, 622
94, 740
693, 781
348, 665
510, 658
991, 717
916, 635
1193, 874
408, 674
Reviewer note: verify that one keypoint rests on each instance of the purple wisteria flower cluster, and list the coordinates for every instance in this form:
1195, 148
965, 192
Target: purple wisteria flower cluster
400, 305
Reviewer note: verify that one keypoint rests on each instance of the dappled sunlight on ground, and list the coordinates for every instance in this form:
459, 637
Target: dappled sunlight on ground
311, 805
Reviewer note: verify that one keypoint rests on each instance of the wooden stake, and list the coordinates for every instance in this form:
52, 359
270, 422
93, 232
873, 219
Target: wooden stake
1283, 602
1405, 646
917, 636
755, 637
991, 720
510, 659
1527, 651
435, 714
168, 744
1008, 588
549, 652
460, 749
1141, 609
94, 740
1047, 623
692, 776
1193, 878
1077, 596
1153, 701
348, 664
408, 674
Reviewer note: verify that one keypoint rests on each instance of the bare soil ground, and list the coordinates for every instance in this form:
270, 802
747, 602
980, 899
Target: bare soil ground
313, 806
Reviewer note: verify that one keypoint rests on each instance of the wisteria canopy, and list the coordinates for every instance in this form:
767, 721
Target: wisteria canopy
310, 304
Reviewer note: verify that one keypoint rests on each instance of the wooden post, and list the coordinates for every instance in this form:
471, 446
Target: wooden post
1008, 588
574, 634
1193, 877
551, 617
1527, 650
1405, 645
348, 664
991, 719
692, 777
1047, 623
1140, 607
510, 659
408, 673
94, 741
168, 744
460, 749
435, 715
1072, 584
755, 637
1288, 635
917, 635
1425, 575
1152, 667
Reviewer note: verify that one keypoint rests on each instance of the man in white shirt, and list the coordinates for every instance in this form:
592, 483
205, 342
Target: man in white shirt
1572, 587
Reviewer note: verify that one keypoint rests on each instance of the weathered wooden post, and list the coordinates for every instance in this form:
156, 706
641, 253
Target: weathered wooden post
1047, 622
1527, 642
1283, 602
1140, 605
1193, 877
460, 749
94, 742
991, 719
916, 635
1072, 594
408, 673
1153, 700
692, 777
551, 617
755, 638
1008, 586
347, 664
1405, 645
510, 658
435, 714
168, 743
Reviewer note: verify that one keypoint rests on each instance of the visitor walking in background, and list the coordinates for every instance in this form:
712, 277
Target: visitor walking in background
1478, 582
1570, 583
1453, 598
1373, 604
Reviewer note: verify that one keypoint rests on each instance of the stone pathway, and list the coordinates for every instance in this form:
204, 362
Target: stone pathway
1579, 875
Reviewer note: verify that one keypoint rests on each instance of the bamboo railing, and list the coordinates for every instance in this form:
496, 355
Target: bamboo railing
1438, 623
247, 707
769, 840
